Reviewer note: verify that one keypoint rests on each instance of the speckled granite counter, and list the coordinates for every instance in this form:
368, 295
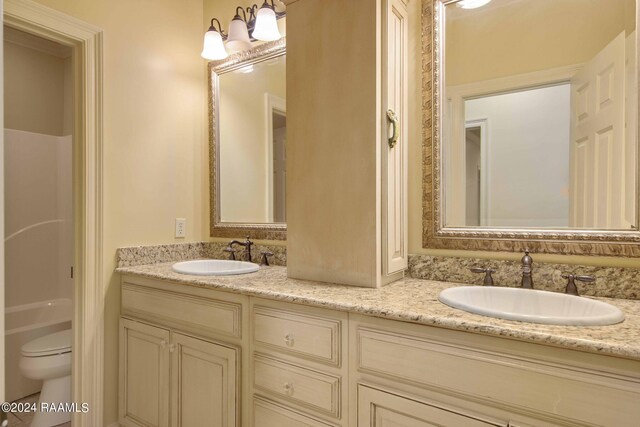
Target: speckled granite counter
416, 301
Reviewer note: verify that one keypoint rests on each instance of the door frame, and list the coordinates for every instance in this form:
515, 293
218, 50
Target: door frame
273, 104
86, 43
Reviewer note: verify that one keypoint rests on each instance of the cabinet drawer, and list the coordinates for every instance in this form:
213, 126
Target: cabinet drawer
306, 336
553, 389
305, 387
204, 316
266, 414
377, 408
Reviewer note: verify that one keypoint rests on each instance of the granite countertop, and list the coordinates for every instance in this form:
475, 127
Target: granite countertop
416, 301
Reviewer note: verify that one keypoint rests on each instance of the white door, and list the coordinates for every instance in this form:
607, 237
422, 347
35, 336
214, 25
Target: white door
598, 141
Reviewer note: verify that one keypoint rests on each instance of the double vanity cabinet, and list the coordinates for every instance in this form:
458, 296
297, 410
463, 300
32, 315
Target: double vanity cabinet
196, 356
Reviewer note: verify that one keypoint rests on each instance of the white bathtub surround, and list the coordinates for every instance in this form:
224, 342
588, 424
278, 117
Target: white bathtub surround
24, 324
38, 245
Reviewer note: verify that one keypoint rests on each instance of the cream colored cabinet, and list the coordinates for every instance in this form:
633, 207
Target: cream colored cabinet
171, 379
347, 132
203, 384
394, 137
377, 408
144, 374
486, 379
299, 370
180, 356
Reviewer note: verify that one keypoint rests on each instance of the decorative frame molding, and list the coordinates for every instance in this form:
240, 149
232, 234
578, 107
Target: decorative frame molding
265, 231
434, 235
89, 290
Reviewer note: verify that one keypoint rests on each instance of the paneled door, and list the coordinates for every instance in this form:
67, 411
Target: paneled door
203, 383
377, 408
597, 184
144, 375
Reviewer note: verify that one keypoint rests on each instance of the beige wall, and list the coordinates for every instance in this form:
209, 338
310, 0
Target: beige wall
34, 90
510, 37
155, 153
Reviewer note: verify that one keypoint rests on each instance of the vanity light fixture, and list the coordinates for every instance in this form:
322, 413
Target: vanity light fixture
472, 4
261, 24
213, 48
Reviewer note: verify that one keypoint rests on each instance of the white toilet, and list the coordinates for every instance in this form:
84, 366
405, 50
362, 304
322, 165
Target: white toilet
48, 358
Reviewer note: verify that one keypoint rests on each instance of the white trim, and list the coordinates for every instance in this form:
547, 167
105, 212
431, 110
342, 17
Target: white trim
277, 104
485, 171
88, 319
453, 142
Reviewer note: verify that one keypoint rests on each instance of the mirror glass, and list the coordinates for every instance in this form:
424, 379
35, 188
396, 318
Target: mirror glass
252, 122
539, 114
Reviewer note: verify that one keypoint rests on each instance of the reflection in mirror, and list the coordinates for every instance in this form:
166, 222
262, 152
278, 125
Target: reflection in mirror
252, 128
539, 115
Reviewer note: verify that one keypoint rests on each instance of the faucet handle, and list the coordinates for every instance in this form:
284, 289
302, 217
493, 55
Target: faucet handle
571, 288
488, 280
231, 251
265, 255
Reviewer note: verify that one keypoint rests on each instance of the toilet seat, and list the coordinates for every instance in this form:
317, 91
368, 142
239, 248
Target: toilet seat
56, 343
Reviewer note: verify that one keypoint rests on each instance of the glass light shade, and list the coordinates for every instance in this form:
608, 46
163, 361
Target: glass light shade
238, 36
266, 28
213, 46
472, 4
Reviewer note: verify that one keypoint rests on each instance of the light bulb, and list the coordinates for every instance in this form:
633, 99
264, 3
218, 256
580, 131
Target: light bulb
266, 28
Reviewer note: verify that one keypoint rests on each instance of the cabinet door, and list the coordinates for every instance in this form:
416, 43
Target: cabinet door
380, 409
394, 159
144, 375
203, 383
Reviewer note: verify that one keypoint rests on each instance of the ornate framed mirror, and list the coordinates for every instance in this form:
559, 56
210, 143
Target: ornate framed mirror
247, 143
530, 126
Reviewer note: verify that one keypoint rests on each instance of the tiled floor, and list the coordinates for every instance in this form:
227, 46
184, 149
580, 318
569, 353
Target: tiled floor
23, 419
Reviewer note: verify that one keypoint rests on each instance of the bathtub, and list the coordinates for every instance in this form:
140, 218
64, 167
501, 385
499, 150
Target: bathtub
25, 323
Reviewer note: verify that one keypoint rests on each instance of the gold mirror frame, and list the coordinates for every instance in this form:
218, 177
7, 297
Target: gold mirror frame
265, 231
434, 235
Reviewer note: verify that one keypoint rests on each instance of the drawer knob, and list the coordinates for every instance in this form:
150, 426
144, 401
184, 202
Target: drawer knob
288, 388
288, 340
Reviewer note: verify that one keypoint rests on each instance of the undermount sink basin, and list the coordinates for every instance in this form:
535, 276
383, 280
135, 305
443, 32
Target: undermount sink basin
214, 267
527, 305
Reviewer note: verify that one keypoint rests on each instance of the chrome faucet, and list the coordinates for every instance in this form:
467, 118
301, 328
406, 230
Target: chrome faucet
247, 247
527, 262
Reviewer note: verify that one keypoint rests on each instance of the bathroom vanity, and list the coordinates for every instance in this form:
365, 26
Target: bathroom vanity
263, 350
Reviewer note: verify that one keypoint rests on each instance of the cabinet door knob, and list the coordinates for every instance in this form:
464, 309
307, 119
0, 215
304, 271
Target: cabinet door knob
172, 348
163, 344
288, 339
288, 388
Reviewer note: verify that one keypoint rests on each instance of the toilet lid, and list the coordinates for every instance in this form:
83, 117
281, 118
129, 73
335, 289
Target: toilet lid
56, 343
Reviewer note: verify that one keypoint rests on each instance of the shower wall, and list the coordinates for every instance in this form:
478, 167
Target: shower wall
38, 181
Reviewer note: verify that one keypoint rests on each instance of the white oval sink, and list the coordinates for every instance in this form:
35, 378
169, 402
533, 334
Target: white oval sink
214, 267
527, 305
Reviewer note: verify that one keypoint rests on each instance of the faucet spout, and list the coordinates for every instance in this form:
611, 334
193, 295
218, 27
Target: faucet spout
247, 247
527, 268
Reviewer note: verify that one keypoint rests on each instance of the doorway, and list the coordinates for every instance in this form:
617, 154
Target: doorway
85, 42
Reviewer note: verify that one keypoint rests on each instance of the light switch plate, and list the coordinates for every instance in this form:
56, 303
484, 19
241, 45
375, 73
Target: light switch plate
181, 227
